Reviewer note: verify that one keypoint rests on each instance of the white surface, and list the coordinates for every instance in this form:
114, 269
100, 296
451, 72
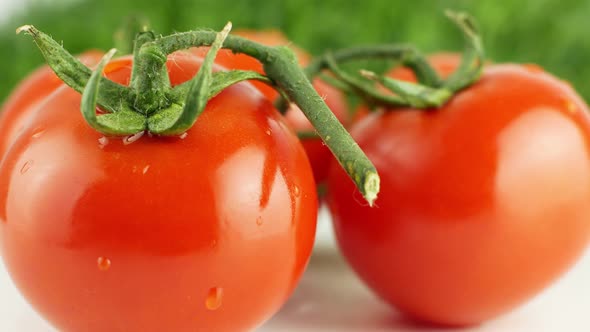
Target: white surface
331, 299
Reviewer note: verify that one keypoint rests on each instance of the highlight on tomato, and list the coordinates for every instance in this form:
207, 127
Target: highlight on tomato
160, 193
319, 155
484, 197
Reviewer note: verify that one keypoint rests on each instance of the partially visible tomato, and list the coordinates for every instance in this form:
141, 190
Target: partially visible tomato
444, 63
318, 154
205, 232
483, 203
25, 99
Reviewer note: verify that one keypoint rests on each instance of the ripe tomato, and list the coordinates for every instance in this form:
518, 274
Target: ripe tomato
205, 232
25, 99
483, 202
319, 155
444, 63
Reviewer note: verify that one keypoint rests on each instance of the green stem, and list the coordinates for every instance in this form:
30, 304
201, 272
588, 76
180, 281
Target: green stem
285, 71
124, 37
281, 67
408, 55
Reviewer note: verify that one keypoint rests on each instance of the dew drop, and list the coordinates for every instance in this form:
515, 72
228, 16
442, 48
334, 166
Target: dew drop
26, 166
183, 135
214, 298
132, 138
268, 132
102, 142
38, 133
296, 191
103, 263
259, 221
145, 169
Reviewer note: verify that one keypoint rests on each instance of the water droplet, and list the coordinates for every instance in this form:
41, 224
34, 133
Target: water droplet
183, 135
145, 169
268, 132
132, 138
26, 166
38, 133
214, 298
259, 221
296, 191
102, 142
103, 263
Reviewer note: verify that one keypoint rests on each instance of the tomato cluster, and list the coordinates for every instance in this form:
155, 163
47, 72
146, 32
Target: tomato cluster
483, 200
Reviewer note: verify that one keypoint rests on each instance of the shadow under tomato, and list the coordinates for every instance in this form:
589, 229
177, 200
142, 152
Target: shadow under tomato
330, 297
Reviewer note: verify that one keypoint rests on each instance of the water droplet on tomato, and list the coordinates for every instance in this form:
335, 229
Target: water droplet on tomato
259, 221
133, 138
38, 133
214, 298
103, 263
26, 166
183, 135
102, 142
268, 132
145, 169
296, 191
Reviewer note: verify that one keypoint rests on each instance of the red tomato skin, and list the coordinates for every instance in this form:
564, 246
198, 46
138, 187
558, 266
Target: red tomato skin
209, 232
483, 202
25, 99
319, 154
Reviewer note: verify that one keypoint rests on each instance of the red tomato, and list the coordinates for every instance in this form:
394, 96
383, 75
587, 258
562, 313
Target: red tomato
319, 154
205, 232
483, 202
27, 96
444, 64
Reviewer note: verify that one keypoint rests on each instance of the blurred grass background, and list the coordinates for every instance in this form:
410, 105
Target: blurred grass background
552, 33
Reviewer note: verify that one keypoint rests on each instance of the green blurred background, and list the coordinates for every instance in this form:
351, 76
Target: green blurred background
551, 33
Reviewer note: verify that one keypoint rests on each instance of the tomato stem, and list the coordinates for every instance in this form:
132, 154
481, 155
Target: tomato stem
429, 92
151, 104
125, 36
281, 66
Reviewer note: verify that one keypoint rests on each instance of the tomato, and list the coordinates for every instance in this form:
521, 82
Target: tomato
209, 231
444, 63
319, 155
483, 203
26, 97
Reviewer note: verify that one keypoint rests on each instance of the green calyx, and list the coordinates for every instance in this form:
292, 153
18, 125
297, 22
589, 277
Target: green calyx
150, 104
430, 92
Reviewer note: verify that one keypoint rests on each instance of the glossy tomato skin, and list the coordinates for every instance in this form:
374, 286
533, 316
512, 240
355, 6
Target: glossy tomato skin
483, 202
209, 232
319, 155
25, 99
